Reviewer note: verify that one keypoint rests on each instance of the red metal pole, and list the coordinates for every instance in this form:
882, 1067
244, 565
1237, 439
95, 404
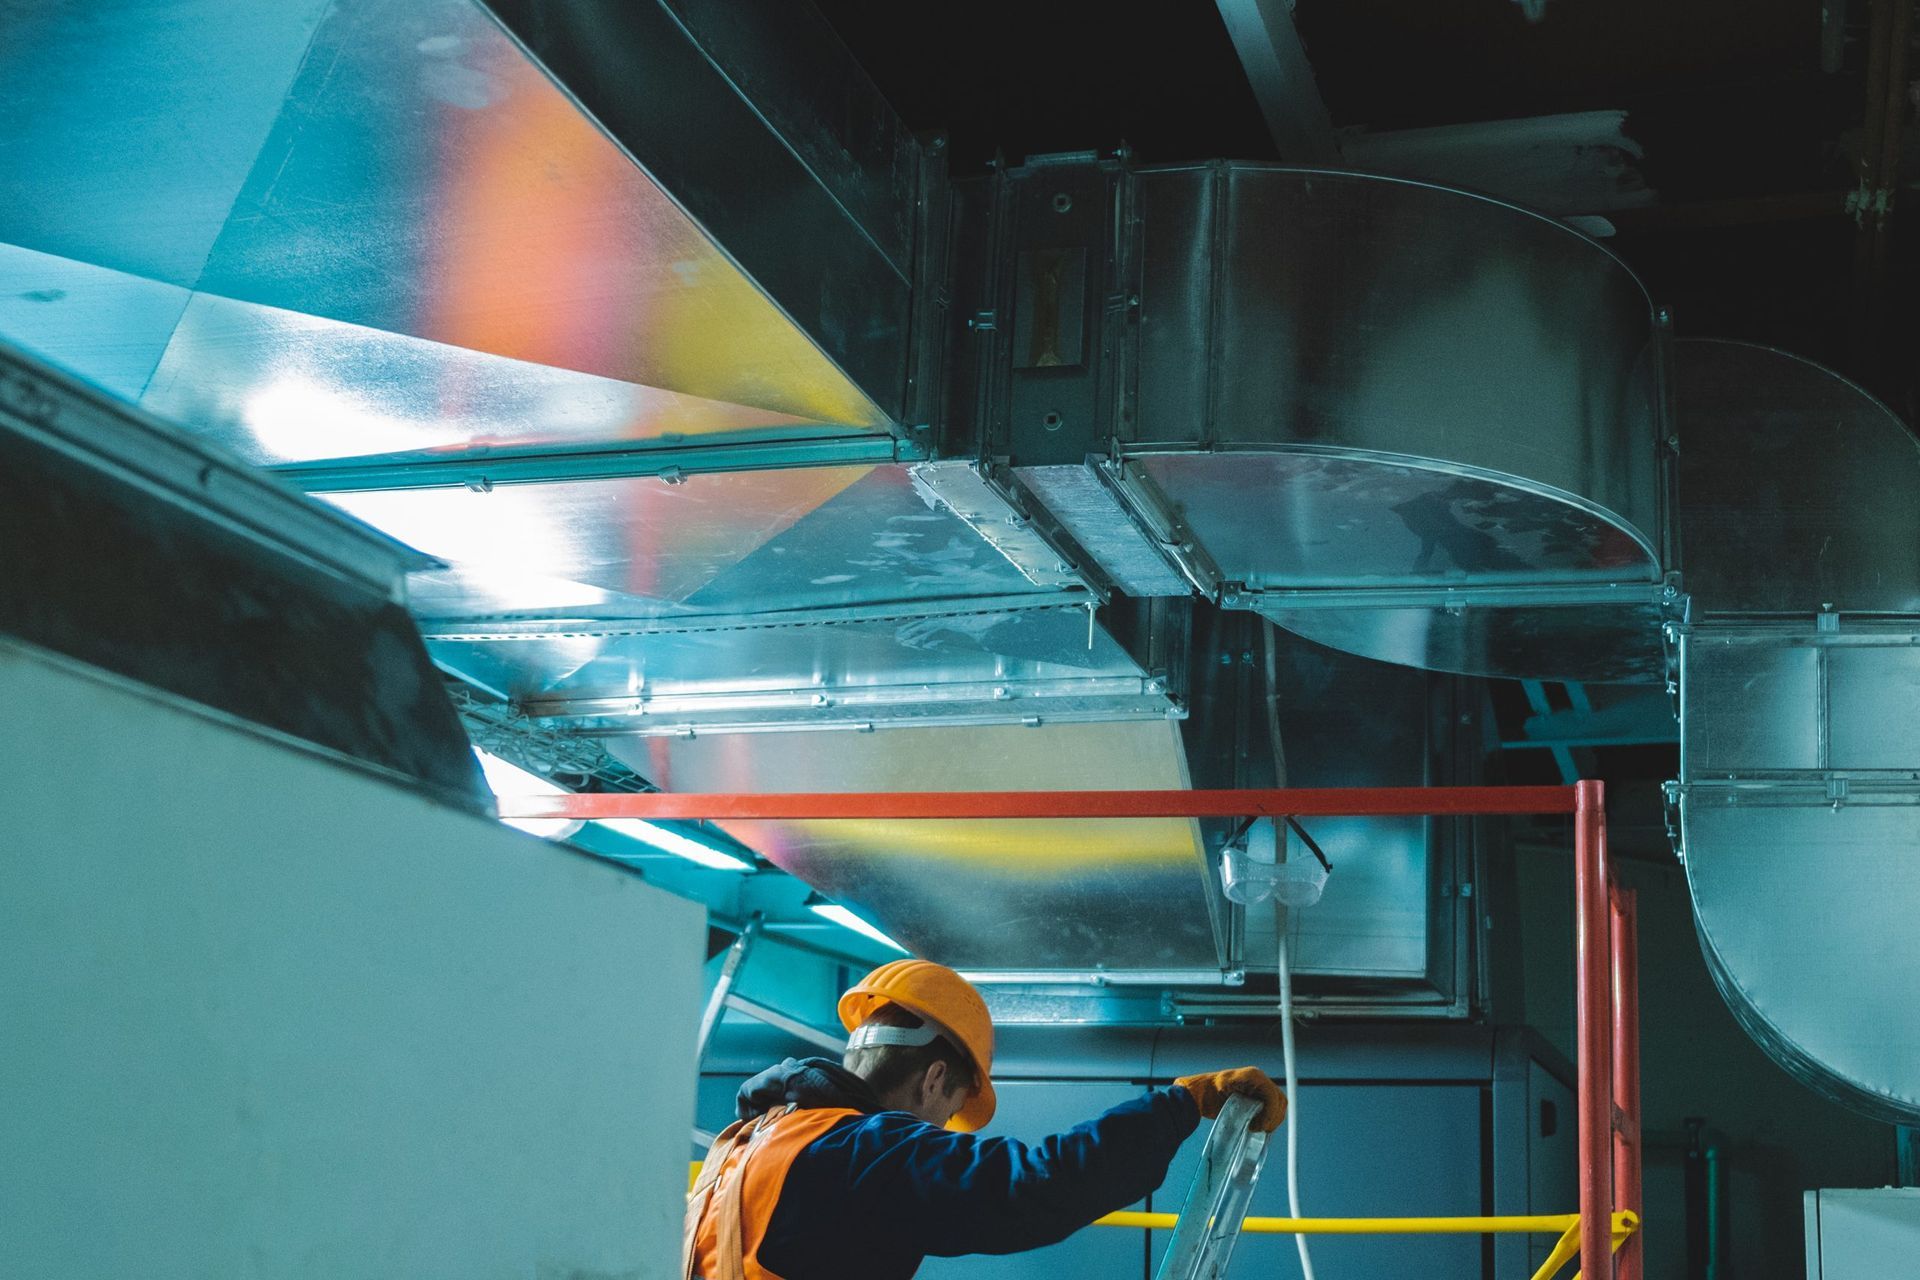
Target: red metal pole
1593, 1005
898, 805
1626, 1071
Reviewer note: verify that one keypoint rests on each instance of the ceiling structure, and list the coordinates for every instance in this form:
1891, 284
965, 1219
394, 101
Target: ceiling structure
641, 334
1713, 135
1720, 140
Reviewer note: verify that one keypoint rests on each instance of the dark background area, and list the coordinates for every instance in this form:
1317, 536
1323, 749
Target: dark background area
1751, 146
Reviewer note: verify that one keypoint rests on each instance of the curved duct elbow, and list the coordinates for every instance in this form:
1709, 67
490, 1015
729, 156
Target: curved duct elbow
1415, 424
1799, 797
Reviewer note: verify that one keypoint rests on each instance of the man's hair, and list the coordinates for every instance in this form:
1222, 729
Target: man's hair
885, 1067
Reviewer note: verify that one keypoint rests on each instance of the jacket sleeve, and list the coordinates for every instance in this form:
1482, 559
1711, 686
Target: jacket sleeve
955, 1193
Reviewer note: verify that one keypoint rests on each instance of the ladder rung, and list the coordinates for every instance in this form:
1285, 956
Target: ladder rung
792, 1026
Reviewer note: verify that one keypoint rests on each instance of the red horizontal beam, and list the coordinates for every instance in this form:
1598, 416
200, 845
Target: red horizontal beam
897, 805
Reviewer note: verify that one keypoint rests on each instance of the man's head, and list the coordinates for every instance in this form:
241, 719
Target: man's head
911, 1065
923, 1038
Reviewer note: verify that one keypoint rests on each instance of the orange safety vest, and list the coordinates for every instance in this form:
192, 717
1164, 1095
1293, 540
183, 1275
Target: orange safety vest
732, 1201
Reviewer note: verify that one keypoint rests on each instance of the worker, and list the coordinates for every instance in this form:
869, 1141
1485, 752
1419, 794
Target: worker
862, 1168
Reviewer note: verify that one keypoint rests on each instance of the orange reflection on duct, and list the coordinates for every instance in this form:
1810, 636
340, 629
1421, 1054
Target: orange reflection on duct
550, 245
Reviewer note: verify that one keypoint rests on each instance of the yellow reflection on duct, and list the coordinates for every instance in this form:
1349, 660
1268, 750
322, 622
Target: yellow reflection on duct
1036, 848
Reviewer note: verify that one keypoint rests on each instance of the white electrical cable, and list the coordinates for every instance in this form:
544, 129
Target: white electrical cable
1282, 917
1293, 1090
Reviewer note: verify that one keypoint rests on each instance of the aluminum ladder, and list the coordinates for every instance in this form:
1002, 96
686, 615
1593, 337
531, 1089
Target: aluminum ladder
723, 999
1217, 1200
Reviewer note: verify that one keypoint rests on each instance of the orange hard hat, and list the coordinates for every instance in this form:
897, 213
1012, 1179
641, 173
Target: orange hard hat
941, 996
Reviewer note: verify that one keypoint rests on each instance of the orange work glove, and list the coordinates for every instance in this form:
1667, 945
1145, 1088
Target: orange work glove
1211, 1091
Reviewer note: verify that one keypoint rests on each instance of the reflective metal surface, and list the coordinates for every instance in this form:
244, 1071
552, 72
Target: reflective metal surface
757, 118
724, 543
979, 894
1798, 490
1799, 792
963, 489
1394, 317
1442, 389
1807, 916
1752, 704
814, 597
1282, 526
331, 230
1800, 706
641, 546
278, 386
1033, 665
1307, 518
1342, 382
1581, 644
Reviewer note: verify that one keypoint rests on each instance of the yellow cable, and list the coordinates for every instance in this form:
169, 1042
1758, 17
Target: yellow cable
1624, 1224
1567, 1225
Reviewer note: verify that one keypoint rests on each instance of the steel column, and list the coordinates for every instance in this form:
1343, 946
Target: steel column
1593, 1003
907, 805
1627, 1142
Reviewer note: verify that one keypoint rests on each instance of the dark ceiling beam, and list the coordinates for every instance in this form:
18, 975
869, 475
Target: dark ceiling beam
1276, 65
1879, 172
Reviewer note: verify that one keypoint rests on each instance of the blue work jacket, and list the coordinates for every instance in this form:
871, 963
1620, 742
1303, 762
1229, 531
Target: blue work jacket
883, 1190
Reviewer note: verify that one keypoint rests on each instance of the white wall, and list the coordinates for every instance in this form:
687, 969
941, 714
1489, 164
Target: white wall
262, 1015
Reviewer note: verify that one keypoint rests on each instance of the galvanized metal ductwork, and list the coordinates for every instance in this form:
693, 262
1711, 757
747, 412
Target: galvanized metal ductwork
383, 250
1412, 423
656, 419
661, 381
1798, 804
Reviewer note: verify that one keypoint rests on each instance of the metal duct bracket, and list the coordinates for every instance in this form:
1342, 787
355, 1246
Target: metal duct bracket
964, 489
1094, 515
